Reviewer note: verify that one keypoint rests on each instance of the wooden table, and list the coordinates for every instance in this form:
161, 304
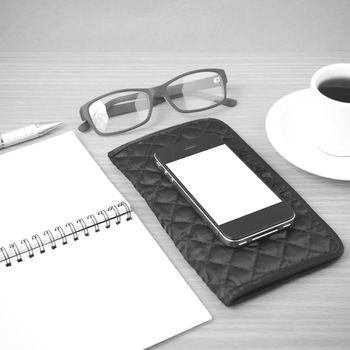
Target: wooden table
312, 312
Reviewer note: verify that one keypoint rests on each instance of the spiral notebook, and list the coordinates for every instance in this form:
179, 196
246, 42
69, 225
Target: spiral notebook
78, 270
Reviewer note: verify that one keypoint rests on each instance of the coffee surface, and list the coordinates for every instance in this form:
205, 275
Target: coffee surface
336, 89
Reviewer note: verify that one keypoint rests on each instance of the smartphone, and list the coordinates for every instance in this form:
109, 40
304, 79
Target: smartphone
236, 203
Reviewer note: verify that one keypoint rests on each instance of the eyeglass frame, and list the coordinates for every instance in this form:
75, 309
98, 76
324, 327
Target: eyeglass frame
157, 95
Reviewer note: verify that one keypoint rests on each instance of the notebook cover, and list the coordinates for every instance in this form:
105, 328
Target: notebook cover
231, 273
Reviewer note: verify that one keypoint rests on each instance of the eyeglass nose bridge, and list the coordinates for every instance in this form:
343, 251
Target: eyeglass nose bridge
159, 95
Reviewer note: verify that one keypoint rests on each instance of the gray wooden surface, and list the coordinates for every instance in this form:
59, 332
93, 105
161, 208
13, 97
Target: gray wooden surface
311, 312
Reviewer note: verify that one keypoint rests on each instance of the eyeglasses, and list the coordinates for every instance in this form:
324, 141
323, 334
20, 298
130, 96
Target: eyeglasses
124, 110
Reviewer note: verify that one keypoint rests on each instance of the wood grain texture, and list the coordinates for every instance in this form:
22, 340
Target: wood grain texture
311, 312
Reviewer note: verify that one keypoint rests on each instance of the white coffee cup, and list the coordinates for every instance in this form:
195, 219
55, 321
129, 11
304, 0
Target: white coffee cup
331, 118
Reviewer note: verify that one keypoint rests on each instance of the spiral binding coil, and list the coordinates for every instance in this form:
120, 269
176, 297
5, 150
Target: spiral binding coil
39, 242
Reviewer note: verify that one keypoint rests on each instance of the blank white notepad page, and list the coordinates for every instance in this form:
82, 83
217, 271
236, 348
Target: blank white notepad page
114, 289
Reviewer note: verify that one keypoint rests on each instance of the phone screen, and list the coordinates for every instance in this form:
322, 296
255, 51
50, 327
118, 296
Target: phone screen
222, 184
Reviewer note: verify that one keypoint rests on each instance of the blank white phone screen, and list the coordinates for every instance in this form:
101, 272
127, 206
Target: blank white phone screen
224, 186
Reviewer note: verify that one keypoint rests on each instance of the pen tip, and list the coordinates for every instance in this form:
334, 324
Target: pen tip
52, 124
44, 128
57, 123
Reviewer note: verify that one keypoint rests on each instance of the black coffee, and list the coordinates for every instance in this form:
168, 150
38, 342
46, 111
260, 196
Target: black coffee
337, 89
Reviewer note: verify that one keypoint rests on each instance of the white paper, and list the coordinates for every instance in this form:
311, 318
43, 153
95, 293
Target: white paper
225, 187
113, 289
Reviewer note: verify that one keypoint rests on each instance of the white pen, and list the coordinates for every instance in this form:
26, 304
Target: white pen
27, 133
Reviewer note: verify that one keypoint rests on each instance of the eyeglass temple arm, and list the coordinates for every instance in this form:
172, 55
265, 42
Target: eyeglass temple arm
125, 108
175, 91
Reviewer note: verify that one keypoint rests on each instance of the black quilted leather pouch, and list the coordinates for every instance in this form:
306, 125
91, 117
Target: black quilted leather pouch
231, 273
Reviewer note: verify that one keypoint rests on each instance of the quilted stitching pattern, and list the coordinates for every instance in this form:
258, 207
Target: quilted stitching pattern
229, 273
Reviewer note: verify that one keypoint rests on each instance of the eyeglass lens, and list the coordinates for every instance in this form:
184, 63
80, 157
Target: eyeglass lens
120, 111
197, 91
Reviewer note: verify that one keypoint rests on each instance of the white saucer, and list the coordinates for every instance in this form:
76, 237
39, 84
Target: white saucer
290, 133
